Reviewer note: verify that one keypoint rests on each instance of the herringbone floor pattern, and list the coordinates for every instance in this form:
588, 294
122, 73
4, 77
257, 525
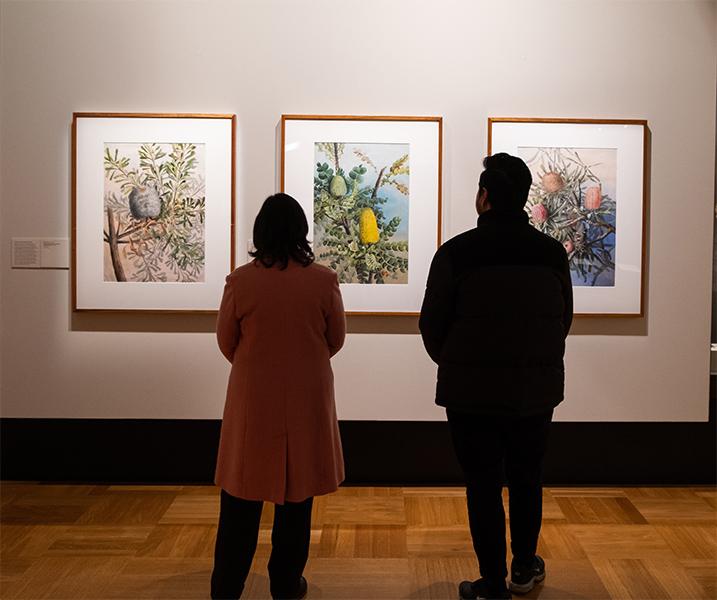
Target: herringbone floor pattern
63, 541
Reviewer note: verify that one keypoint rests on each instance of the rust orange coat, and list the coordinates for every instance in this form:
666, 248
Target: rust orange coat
279, 328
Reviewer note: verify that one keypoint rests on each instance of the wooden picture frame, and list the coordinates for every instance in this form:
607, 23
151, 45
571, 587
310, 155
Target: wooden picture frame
608, 281
189, 276
417, 140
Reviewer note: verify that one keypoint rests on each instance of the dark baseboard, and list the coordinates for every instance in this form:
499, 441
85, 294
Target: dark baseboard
376, 452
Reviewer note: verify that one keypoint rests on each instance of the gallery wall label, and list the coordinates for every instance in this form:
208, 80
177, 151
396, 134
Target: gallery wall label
40, 253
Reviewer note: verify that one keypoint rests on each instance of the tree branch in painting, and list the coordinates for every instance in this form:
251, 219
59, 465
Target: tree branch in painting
353, 234
154, 204
568, 202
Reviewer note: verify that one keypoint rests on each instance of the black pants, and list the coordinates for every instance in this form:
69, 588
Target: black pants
490, 449
236, 543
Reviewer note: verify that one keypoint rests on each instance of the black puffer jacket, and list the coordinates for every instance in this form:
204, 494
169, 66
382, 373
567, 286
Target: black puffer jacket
497, 309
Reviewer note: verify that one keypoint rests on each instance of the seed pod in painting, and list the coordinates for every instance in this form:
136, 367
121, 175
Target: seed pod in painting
539, 213
593, 197
144, 202
338, 187
552, 182
368, 227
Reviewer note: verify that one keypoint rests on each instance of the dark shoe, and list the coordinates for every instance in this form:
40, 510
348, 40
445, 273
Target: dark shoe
296, 595
523, 579
483, 590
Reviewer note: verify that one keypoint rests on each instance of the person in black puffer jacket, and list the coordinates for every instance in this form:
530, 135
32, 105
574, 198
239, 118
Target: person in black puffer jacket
496, 312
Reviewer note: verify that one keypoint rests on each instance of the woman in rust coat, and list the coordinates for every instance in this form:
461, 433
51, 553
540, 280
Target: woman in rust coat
281, 319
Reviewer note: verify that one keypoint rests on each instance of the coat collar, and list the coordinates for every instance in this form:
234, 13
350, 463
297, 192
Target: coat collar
503, 217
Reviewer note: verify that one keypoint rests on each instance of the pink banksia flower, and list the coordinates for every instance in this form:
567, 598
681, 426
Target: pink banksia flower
552, 182
593, 197
539, 213
569, 246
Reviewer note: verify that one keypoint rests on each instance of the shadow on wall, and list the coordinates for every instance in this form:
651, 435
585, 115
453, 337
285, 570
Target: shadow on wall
399, 325
713, 335
143, 322
205, 323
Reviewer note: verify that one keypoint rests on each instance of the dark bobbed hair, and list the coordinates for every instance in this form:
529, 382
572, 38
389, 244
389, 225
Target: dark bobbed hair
280, 231
507, 179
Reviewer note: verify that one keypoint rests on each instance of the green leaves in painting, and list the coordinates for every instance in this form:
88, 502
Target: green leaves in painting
168, 238
355, 236
567, 202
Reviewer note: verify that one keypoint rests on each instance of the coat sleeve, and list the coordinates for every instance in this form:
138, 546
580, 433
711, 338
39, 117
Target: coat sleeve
438, 304
567, 286
335, 319
228, 331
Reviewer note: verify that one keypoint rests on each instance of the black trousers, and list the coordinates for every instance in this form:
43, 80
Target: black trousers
491, 449
237, 537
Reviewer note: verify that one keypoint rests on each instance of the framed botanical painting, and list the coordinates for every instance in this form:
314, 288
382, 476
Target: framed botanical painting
371, 190
152, 211
588, 192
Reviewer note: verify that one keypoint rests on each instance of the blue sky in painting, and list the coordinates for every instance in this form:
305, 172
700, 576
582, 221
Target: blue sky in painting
381, 155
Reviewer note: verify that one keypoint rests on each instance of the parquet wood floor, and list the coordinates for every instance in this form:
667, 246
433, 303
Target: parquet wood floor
88, 541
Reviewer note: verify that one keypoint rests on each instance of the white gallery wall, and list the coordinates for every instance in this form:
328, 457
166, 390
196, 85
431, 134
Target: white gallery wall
462, 59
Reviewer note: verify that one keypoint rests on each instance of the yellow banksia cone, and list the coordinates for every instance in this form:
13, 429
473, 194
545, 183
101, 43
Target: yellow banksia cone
368, 228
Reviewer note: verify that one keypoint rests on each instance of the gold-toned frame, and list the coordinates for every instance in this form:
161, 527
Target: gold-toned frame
232, 225
645, 188
438, 120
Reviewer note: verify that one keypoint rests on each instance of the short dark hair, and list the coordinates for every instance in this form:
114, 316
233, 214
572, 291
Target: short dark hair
507, 179
280, 231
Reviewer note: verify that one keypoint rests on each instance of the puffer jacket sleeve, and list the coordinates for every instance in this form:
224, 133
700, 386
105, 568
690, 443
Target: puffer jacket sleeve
567, 288
438, 306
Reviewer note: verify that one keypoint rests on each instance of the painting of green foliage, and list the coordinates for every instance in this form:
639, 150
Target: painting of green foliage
361, 196
154, 203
